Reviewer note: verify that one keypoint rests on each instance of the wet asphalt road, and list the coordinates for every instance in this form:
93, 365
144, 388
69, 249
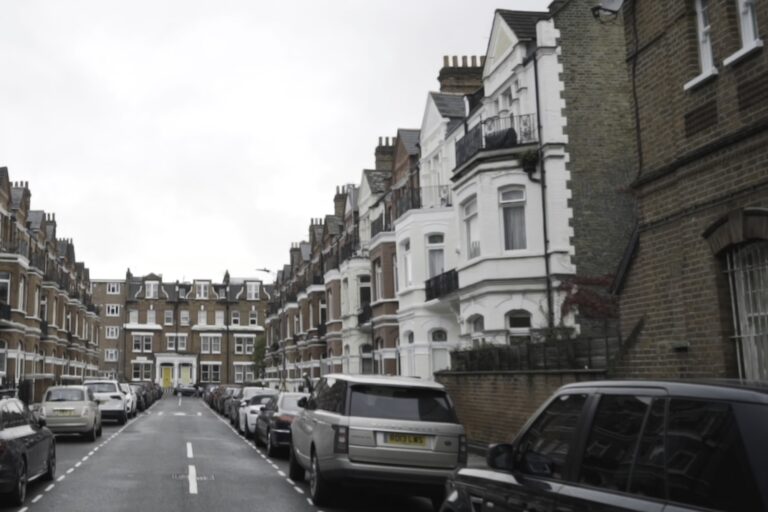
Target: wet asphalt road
182, 456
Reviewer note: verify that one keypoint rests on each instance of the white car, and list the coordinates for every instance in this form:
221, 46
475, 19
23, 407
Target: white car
112, 401
131, 399
250, 408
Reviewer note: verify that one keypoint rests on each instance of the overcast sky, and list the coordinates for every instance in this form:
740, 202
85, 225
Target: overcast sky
190, 137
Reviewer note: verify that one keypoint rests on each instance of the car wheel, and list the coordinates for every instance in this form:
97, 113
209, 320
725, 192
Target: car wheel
122, 419
98, 432
19, 492
319, 489
91, 434
50, 467
256, 436
295, 471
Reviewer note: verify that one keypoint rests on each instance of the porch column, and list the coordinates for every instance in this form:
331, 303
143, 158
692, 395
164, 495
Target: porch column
176, 376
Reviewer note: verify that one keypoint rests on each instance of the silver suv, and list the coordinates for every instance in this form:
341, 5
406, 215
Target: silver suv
393, 431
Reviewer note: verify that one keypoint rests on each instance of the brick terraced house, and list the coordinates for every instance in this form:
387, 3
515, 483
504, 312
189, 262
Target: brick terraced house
49, 326
181, 332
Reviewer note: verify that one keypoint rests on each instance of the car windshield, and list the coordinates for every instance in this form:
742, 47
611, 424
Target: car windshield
65, 395
401, 403
102, 387
259, 399
249, 392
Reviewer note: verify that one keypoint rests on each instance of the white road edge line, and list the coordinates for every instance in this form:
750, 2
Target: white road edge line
37, 498
78, 464
296, 488
23, 509
192, 479
179, 400
189, 451
62, 477
48, 489
70, 470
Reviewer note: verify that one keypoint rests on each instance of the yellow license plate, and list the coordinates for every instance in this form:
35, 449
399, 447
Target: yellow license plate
406, 440
64, 413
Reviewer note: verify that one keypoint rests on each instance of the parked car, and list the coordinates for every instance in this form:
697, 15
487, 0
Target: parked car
221, 402
247, 413
396, 432
185, 390
634, 445
131, 405
141, 396
112, 402
273, 422
71, 410
27, 450
236, 404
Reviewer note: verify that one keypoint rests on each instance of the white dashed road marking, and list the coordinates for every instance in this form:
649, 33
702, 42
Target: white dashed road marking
37, 498
47, 489
70, 470
296, 488
62, 477
189, 451
192, 480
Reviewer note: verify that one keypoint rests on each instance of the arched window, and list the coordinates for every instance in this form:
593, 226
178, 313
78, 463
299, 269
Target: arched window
379, 343
439, 335
410, 337
477, 324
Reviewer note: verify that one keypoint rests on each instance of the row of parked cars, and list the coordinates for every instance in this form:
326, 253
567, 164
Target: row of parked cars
595, 446
27, 442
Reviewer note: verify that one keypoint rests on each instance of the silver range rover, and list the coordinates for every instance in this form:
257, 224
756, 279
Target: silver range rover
397, 432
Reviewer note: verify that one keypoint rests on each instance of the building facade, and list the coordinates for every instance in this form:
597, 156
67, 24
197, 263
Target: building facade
49, 326
694, 288
181, 332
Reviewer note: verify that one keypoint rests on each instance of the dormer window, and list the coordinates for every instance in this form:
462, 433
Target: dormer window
151, 288
201, 290
252, 290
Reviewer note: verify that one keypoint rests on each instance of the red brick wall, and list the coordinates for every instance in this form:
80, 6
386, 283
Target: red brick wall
493, 406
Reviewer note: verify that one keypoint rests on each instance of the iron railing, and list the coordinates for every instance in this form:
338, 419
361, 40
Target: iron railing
365, 315
442, 284
380, 225
496, 132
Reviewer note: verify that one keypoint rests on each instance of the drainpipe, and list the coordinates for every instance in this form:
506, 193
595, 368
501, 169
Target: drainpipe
543, 182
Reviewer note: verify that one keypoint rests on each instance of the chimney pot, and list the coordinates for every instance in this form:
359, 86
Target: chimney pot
463, 61
455, 61
474, 61
379, 141
446, 61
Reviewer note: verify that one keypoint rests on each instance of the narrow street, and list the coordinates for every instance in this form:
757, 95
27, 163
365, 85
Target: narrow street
180, 455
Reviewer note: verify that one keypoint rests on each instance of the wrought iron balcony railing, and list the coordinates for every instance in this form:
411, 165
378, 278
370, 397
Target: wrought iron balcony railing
441, 284
496, 132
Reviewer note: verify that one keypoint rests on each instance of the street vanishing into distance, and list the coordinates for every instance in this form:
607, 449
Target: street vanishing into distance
181, 455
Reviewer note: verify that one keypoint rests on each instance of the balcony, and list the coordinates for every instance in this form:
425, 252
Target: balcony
441, 284
498, 132
365, 315
380, 225
436, 196
406, 199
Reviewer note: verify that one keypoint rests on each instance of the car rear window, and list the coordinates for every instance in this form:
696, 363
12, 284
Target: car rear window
102, 387
401, 403
259, 399
64, 395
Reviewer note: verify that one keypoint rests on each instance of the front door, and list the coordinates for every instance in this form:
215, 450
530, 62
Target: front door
167, 376
186, 375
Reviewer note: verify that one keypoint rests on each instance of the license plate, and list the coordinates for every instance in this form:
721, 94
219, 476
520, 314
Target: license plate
65, 412
406, 440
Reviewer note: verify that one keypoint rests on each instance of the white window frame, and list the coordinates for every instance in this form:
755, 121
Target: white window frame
219, 317
151, 316
184, 317
181, 342
133, 316
704, 43
517, 203
407, 263
235, 320
202, 288
253, 318
239, 374
469, 218
151, 289
215, 344
435, 247
202, 317
170, 342
113, 288
252, 290
23, 294
110, 355
748, 29
5, 279
112, 332
111, 309
205, 344
168, 317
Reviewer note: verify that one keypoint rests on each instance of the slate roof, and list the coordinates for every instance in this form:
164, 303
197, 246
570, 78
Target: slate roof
410, 140
523, 23
378, 181
16, 195
449, 105
36, 218
334, 224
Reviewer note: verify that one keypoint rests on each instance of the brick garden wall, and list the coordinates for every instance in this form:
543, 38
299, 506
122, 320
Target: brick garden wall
493, 406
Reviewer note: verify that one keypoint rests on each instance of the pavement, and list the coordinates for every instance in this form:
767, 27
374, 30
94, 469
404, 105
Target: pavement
182, 456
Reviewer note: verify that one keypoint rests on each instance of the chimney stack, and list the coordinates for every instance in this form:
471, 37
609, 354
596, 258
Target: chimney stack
464, 78
339, 201
384, 154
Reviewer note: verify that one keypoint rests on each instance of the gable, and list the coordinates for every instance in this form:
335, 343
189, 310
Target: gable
501, 44
432, 117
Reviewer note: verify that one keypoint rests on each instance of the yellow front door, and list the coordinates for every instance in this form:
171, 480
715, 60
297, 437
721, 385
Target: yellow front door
167, 376
186, 375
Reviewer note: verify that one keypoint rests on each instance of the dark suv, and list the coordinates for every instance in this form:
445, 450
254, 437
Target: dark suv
650, 446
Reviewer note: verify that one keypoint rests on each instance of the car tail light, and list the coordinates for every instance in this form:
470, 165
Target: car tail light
462, 449
340, 439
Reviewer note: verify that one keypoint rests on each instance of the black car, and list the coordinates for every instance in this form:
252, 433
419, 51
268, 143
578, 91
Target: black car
27, 450
273, 424
610, 446
185, 390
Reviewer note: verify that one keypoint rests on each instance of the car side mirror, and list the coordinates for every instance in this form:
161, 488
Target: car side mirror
501, 456
302, 402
